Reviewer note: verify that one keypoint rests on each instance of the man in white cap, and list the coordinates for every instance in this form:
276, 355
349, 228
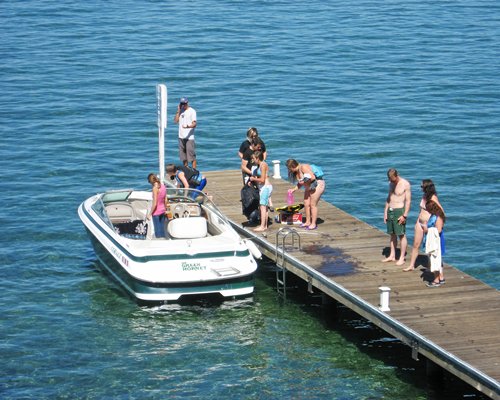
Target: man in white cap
186, 118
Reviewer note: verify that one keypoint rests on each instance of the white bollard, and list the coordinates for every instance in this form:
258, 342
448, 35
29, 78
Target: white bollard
277, 174
384, 298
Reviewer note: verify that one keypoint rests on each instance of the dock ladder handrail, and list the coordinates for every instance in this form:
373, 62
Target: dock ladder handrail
283, 234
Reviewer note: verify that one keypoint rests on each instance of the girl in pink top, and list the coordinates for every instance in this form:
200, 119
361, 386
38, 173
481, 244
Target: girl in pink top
159, 205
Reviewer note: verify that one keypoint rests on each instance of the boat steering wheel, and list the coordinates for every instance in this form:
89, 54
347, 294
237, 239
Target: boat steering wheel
181, 211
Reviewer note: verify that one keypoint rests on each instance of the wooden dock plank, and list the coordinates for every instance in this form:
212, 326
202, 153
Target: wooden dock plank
462, 316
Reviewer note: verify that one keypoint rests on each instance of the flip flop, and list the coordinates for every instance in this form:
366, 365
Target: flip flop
303, 226
311, 229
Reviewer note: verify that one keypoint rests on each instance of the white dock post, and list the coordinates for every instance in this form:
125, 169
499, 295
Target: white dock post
384, 298
276, 166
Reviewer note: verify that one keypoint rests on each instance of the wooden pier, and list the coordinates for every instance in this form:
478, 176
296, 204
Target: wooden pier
456, 326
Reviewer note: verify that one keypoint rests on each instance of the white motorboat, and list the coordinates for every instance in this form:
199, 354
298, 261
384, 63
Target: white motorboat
202, 254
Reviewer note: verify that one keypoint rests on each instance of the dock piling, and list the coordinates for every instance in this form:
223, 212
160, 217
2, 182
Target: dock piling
276, 169
384, 298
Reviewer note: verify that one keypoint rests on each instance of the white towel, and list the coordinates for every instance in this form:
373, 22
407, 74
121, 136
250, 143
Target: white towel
433, 249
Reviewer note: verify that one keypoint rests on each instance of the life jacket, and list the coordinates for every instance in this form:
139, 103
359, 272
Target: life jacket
192, 175
317, 171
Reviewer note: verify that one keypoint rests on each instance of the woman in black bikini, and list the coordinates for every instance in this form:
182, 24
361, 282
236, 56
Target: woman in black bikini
429, 194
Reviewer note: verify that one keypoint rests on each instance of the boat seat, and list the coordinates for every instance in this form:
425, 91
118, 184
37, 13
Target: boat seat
120, 212
137, 229
187, 228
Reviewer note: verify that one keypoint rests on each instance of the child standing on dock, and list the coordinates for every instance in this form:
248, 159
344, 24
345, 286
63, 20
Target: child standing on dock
259, 176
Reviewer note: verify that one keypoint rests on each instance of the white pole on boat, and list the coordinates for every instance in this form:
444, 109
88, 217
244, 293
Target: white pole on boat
161, 96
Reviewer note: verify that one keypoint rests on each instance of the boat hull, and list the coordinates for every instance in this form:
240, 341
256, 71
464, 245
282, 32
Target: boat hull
147, 291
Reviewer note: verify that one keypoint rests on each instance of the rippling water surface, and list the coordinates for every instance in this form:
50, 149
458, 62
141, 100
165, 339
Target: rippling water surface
355, 87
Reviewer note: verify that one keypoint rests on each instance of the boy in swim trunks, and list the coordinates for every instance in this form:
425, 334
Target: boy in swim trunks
397, 207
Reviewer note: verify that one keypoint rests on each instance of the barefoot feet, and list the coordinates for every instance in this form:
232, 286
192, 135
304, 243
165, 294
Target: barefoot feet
391, 259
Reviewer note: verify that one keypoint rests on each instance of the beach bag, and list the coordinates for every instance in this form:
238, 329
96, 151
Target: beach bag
254, 216
317, 171
249, 200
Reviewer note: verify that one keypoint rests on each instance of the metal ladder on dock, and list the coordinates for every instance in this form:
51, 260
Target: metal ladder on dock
282, 235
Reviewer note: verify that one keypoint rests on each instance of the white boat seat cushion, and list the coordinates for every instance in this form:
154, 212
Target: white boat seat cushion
120, 212
188, 228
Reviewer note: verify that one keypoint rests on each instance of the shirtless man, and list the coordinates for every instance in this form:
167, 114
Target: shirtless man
397, 207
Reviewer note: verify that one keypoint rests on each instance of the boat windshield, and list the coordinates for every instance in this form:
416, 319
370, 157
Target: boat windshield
110, 196
116, 195
100, 210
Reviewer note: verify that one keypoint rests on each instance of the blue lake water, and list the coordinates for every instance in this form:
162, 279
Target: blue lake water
354, 87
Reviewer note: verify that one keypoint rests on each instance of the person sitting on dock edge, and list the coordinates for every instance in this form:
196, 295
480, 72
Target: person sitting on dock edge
397, 207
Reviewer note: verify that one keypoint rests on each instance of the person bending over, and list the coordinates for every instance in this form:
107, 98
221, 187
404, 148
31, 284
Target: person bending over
310, 177
186, 177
